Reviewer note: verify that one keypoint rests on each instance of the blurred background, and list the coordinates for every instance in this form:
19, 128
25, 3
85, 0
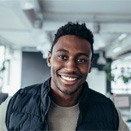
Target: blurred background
27, 29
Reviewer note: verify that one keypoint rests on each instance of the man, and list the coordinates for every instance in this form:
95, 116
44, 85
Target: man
64, 101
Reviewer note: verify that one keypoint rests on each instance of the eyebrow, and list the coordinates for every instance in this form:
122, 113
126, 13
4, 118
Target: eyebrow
62, 50
79, 54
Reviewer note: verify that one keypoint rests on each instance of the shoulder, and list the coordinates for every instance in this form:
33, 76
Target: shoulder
96, 100
93, 97
31, 89
98, 97
100, 102
28, 96
24, 97
28, 91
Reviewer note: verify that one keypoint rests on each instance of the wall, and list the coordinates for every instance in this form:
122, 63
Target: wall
34, 68
97, 80
97, 77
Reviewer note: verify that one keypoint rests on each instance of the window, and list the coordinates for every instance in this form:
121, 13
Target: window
121, 69
2, 68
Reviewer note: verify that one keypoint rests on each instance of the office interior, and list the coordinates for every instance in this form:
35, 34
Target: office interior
27, 29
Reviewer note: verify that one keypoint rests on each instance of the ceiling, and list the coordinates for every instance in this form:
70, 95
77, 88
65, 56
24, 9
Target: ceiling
31, 24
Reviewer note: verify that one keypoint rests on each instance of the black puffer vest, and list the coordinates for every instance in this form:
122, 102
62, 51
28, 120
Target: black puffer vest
28, 108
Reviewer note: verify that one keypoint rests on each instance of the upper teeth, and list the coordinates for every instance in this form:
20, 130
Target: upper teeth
68, 78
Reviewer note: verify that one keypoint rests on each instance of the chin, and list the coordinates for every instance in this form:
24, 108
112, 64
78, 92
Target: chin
68, 90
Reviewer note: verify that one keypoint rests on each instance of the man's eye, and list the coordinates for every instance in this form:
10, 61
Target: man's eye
82, 60
62, 57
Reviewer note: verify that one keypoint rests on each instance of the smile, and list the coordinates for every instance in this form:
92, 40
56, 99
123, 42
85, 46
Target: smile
68, 78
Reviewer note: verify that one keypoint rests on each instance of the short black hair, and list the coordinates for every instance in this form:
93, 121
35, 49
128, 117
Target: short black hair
76, 29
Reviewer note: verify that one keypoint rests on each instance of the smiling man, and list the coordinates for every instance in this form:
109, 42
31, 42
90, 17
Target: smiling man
65, 102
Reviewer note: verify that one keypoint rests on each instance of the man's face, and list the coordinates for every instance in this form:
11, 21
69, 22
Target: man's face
70, 63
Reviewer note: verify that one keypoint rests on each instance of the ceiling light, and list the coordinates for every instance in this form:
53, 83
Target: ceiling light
117, 49
27, 5
122, 36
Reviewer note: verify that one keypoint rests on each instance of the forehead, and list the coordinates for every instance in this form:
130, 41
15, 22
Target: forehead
72, 43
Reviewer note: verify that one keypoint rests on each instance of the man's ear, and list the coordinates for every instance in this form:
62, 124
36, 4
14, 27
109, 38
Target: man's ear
49, 59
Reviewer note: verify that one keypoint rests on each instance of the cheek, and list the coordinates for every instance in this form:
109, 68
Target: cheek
89, 67
55, 66
85, 69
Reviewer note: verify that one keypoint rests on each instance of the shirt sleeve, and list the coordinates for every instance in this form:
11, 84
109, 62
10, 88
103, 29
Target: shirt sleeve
122, 125
3, 108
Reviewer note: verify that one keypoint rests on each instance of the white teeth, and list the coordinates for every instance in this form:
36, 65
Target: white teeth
68, 78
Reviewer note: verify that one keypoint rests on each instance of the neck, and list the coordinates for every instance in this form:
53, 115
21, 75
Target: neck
65, 100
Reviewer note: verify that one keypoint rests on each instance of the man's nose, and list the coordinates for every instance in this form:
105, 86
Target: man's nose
71, 65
